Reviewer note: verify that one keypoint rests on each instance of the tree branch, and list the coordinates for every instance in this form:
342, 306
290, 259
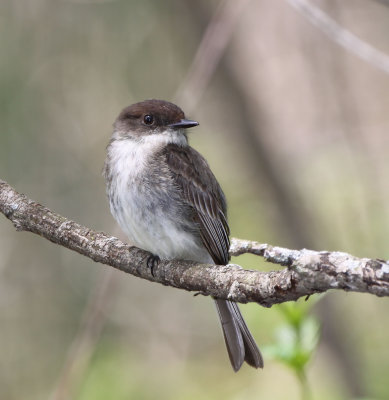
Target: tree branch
307, 271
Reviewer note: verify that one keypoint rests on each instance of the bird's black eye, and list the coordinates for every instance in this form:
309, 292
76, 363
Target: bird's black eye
148, 119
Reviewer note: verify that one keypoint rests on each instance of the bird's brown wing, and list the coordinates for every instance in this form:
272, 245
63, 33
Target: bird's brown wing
204, 194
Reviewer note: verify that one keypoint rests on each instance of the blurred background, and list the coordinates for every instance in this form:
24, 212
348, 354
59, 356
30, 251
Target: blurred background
294, 126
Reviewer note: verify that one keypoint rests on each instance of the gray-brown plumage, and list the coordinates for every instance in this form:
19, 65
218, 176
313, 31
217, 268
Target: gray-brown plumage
166, 198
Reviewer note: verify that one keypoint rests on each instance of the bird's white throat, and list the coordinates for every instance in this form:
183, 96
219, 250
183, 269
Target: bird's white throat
131, 154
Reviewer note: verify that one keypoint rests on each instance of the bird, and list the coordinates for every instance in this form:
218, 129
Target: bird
166, 199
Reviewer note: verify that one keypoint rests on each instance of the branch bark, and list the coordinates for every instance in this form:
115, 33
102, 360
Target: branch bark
307, 271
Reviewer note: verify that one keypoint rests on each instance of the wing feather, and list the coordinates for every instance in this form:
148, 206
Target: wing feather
203, 193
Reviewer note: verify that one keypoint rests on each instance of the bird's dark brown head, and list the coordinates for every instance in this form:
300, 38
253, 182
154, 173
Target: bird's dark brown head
151, 116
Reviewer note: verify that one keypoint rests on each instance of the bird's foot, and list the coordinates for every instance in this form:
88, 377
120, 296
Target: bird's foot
152, 262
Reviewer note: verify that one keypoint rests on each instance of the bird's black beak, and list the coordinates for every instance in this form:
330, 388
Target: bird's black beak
184, 123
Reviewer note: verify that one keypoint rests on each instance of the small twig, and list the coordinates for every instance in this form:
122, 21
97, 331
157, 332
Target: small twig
307, 271
82, 347
340, 35
209, 53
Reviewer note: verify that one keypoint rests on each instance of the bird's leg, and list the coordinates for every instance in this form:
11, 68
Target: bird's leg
152, 262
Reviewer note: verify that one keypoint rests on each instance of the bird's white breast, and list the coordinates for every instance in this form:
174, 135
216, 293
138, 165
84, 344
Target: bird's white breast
135, 199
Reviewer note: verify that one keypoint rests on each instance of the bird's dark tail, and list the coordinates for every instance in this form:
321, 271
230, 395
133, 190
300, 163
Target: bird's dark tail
240, 344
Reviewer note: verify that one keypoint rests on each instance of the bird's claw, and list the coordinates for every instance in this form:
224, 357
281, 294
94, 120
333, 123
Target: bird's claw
152, 262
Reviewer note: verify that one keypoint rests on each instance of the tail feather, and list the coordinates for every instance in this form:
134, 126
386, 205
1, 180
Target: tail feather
240, 344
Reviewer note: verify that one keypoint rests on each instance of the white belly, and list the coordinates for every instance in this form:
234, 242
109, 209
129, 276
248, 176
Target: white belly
147, 227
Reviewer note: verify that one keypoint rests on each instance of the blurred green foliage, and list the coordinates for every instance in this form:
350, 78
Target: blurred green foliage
296, 341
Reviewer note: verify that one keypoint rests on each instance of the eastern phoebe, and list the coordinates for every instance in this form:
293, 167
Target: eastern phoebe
166, 199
